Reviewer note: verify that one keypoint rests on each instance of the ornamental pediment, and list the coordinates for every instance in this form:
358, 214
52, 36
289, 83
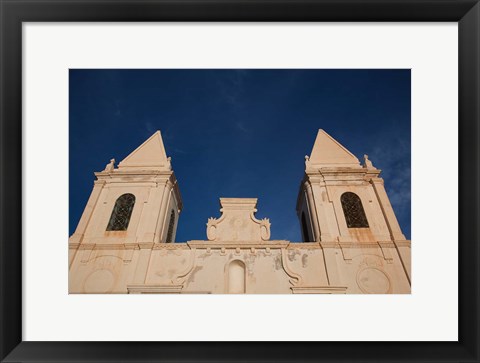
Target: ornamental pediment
238, 222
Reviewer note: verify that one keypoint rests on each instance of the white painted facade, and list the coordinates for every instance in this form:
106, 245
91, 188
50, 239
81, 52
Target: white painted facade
371, 255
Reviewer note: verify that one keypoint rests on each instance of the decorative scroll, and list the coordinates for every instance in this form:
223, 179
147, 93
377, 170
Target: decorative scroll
238, 222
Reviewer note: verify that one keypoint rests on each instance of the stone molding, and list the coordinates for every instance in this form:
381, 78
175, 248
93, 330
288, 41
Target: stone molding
277, 244
329, 244
319, 289
232, 245
170, 246
304, 245
106, 175
154, 289
406, 243
373, 244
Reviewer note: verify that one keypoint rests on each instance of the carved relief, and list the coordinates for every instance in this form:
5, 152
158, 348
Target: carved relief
212, 229
250, 262
182, 276
372, 280
175, 267
102, 278
295, 279
99, 282
371, 261
238, 222
264, 229
371, 277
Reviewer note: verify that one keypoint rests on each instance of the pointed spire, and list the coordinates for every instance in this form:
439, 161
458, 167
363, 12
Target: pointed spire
150, 155
328, 152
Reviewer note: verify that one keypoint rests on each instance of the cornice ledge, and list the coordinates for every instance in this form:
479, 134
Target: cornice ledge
87, 246
341, 170
240, 244
386, 244
110, 246
353, 245
304, 245
116, 172
154, 289
146, 245
171, 246
115, 246
405, 243
329, 244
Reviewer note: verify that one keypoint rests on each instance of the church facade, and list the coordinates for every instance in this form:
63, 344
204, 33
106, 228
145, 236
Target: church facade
352, 242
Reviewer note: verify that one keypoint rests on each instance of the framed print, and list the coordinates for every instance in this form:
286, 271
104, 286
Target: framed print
240, 252
126, 126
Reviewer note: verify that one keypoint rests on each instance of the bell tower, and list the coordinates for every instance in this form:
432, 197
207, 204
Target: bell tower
341, 200
137, 202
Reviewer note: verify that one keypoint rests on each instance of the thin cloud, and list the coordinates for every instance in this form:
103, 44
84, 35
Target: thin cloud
394, 161
241, 127
232, 87
179, 151
149, 127
118, 110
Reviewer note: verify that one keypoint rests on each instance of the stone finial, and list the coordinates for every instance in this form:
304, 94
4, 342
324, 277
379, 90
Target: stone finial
110, 166
368, 164
238, 222
307, 162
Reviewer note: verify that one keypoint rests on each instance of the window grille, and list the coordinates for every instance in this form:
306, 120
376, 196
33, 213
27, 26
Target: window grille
353, 210
122, 211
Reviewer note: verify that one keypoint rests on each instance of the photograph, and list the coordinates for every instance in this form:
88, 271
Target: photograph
239, 181
246, 177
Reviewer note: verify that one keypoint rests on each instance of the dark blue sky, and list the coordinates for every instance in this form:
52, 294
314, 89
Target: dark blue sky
240, 133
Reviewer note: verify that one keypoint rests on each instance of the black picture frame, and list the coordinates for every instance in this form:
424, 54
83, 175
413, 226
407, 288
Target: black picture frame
14, 12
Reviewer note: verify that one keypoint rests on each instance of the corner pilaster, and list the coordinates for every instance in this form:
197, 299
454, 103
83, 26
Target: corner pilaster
387, 210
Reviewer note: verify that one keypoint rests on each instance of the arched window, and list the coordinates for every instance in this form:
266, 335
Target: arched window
171, 225
122, 211
236, 277
353, 210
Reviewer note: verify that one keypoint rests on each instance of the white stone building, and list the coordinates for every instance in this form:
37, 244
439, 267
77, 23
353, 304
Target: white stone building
352, 242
